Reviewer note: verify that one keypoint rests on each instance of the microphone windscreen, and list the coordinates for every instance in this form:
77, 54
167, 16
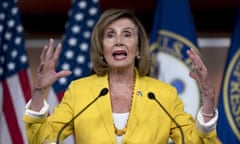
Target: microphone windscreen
151, 95
103, 92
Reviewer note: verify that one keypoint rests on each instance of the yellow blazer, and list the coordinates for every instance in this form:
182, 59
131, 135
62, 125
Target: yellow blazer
147, 123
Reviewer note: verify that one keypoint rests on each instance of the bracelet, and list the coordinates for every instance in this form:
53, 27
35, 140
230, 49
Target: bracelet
206, 114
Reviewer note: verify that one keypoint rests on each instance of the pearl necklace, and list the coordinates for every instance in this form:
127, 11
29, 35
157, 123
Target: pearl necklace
121, 132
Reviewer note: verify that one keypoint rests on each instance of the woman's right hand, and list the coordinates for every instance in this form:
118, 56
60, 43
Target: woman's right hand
46, 74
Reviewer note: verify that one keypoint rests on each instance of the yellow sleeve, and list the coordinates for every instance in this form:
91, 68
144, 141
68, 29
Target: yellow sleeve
191, 133
47, 128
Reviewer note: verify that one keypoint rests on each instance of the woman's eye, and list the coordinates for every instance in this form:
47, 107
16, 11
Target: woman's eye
109, 35
127, 34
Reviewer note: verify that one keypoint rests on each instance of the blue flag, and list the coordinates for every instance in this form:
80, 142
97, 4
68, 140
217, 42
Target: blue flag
172, 34
228, 127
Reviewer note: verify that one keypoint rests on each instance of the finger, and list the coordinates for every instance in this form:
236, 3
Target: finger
196, 60
42, 59
63, 73
199, 68
50, 49
57, 52
194, 75
193, 56
43, 54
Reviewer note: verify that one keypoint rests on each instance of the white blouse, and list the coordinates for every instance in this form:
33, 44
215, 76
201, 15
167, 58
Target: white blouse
120, 121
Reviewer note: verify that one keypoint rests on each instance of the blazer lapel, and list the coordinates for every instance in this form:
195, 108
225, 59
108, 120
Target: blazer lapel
104, 105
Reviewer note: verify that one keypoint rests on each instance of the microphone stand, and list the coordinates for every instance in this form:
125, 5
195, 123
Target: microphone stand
103, 92
152, 97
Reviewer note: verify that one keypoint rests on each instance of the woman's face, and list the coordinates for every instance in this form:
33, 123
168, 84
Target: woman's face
120, 44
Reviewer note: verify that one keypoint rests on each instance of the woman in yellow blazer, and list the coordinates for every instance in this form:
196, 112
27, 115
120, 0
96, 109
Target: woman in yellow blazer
126, 113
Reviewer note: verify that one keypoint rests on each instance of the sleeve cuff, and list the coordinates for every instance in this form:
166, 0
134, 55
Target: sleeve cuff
206, 126
42, 113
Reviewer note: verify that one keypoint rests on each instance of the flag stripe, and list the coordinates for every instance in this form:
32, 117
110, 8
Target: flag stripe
11, 118
5, 137
60, 95
4, 133
53, 100
17, 95
24, 83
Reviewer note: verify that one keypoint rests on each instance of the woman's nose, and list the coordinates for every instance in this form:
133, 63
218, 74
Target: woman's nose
118, 41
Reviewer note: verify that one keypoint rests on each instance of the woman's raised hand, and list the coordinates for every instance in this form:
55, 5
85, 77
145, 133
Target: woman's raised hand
46, 73
200, 74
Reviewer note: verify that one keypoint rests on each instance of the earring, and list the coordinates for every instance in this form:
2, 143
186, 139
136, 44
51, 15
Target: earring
138, 57
103, 59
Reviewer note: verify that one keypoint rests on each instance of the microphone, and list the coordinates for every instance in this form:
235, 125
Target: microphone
103, 92
152, 97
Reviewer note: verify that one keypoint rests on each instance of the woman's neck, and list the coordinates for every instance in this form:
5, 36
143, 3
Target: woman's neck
121, 77
121, 90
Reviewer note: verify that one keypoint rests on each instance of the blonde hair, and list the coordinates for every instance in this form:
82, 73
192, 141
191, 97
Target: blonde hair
100, 67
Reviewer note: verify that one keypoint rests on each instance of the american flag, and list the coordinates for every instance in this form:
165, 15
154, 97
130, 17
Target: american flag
14, 75
76, 43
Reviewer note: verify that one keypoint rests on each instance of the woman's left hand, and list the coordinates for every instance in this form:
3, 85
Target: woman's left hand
200, 74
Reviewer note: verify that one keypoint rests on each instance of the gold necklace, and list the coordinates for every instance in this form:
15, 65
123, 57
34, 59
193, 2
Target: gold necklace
120, 132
